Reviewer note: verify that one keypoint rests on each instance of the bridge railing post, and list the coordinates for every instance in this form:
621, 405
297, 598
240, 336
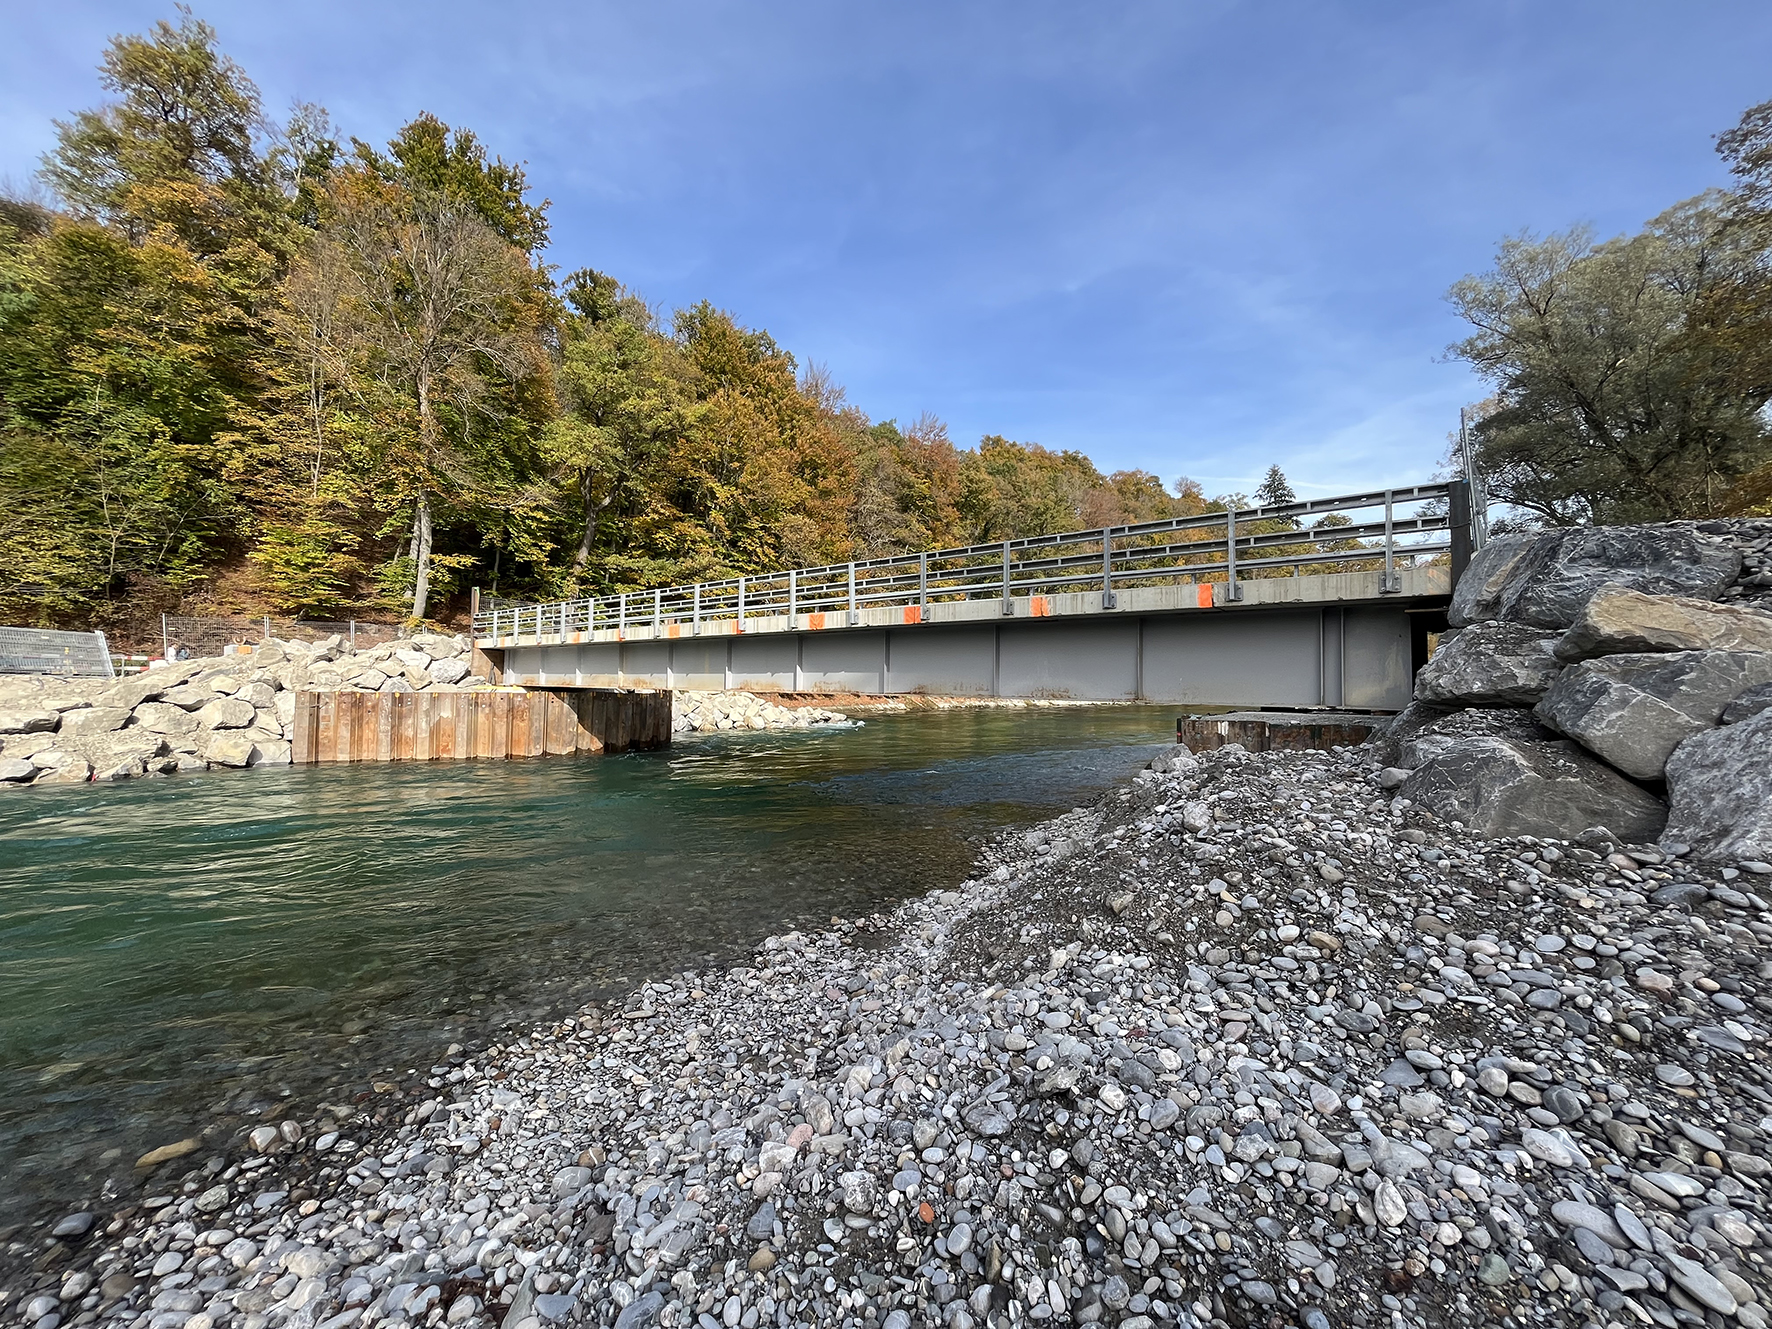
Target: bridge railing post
1391, 582
1008, 604
793, 597
854, 616
695, 620
1232, 591
923, 583
658, 612
1108, 599
741, 604
621, 620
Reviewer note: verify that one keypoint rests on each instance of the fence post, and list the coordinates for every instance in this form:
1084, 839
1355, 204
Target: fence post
695, 629
1232, 591
165, 645
1108, 599
854, 618
741, 602
1008, 604
793, 597
353, 623
267, 627
621, 615
923, 583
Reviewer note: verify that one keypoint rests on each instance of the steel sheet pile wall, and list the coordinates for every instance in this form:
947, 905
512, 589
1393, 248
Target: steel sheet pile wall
440, 726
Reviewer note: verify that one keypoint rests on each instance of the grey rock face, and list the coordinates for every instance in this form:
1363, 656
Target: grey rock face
1634, 710
1719, 786
1499, 786
1490, 664
1618, 621
1747, 705
1545, 579
1447, 730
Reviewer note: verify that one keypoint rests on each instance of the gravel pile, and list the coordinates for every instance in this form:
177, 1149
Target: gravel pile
1249, 1042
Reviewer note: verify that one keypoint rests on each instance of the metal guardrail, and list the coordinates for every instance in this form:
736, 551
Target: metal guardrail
1227, 547
46, 651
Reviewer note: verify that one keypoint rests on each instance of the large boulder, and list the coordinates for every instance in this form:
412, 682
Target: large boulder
118, 754
160, 717
1719, 787
94, 720
451, 670
229, 748
226, 713
148, 685
1545, 579
1634, 710
33, 721
190, 696
16, 770
1489, 664
1618, 621
1503, 787
1430, 740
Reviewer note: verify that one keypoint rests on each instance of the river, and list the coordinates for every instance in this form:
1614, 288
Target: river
175, 953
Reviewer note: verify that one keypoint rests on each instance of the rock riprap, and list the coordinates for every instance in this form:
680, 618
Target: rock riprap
227, 711
708, 712
1248, 1042
1630, 643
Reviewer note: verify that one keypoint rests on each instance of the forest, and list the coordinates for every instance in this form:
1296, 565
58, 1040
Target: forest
253, 367
257, 366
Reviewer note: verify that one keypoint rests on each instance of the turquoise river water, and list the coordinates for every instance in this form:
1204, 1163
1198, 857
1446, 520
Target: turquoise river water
177, 953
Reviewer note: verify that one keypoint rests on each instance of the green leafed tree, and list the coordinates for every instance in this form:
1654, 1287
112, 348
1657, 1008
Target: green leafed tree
1618, 395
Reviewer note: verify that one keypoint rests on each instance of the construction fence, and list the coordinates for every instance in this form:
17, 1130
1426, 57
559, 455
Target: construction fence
184, 638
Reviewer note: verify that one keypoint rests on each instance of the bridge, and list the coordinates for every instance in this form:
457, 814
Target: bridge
1323, 602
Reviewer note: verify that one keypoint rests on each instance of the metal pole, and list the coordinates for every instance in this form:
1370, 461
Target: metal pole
267, 627
165, 649
1458, 519
658, 612
1390, 583
923, 582
353, 634
1231, 590
1108, 599
851, 592
741, 604
621, 621
793, 597
1008, 604
695, 630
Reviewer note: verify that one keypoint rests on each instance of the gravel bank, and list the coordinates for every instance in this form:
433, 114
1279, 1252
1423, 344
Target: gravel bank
1248, 1042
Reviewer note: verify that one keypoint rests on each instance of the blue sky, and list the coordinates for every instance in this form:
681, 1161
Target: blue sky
1195, 238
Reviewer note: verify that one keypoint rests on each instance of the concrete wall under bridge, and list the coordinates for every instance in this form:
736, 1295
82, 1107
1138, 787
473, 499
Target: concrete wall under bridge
1281, 647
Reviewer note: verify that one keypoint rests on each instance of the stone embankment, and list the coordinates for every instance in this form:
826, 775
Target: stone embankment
1611, 676
228, 711
1248, 1042
707, 712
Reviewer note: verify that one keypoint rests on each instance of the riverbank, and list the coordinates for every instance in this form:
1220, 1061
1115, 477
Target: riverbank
1246, 1040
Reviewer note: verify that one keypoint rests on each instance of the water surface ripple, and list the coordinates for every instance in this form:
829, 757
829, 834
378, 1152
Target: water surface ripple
177, 953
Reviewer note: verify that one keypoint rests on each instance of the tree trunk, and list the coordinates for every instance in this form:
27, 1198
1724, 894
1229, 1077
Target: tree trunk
593, 515
421, 516
421, 586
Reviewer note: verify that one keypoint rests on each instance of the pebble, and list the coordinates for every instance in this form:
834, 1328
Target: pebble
1020, 1091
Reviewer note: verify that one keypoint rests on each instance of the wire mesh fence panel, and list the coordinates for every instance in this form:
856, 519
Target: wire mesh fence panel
45, 651
185, 637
